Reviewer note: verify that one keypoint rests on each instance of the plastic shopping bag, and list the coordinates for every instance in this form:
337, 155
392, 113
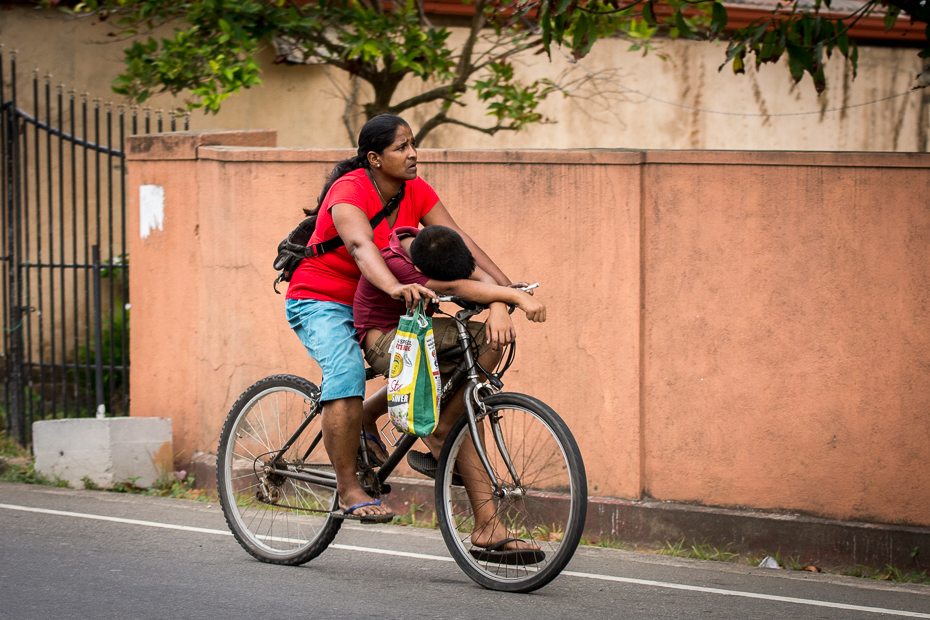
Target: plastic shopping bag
414, 385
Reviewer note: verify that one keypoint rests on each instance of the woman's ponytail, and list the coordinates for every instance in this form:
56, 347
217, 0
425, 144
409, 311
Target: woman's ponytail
344, 167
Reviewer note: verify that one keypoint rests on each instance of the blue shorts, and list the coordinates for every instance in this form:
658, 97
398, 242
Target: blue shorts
327, 331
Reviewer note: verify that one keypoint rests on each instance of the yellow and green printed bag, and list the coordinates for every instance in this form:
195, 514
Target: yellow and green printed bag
413, 386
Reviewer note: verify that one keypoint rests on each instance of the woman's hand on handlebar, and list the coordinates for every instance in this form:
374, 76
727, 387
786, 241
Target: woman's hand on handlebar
523, 285
412, 293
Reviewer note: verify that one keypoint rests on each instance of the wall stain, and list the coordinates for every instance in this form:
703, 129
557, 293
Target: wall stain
923, 121
695, 136
847, 78
757, 95
899, 121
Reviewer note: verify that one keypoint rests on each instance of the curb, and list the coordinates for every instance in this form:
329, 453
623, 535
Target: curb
810, 540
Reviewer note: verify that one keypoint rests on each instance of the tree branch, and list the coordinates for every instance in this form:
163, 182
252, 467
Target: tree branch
440, 92
507, 54
463, 70
351, 102
423, 18
367, 71
443, 119
619, 9
497, 42
296, 7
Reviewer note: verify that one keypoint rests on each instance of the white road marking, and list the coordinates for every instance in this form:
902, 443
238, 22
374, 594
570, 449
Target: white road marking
765, 597
422, 556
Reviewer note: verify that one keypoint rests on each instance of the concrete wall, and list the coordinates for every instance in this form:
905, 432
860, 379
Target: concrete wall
692, 104
727, 328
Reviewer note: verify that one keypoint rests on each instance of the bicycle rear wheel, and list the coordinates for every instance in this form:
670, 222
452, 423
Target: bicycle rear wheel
544, 494
275, 518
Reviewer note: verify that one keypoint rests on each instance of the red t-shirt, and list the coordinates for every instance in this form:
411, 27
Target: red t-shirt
334, 275
375, 309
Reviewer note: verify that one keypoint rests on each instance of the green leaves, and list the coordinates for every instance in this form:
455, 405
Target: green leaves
891, 16
719, 19
805, 36
211, 53
649, 13
510, 102
795, 29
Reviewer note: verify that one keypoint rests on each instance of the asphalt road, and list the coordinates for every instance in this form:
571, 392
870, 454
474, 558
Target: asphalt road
91, 554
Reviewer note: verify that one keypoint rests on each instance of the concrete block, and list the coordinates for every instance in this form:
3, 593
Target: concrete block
108, 451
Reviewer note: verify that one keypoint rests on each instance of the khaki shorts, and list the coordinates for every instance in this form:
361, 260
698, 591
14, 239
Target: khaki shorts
446, 336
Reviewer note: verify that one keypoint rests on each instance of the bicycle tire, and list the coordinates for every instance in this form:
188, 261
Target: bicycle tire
549, 506
258, 425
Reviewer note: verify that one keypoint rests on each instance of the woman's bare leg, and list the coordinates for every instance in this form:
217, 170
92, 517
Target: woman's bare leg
342, 423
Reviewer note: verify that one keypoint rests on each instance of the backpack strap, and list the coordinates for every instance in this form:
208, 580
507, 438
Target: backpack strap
318, 249
294, 248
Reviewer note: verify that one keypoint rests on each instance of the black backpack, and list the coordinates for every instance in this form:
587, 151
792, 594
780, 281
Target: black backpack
293, 249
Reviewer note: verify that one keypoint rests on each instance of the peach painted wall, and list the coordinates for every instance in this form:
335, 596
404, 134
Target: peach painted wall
715, 318
787, 332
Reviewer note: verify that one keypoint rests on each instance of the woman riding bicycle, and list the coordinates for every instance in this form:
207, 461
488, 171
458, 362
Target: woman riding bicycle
320, 294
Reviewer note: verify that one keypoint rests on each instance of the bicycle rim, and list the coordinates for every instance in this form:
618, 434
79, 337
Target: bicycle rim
276, 519
547, 507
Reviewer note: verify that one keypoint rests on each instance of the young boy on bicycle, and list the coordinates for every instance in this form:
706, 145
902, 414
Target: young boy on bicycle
437, 258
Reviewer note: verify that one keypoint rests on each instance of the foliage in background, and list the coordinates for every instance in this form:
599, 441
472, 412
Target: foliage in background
807, 32
178, 485
111, 343
212, 52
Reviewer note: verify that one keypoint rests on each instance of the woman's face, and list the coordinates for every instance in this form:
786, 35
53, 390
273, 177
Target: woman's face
399, 160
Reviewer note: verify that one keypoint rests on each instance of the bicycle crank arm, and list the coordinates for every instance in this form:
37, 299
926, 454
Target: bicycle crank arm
323, 480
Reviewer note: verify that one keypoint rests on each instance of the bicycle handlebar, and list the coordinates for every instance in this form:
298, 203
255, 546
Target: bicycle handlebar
471, 305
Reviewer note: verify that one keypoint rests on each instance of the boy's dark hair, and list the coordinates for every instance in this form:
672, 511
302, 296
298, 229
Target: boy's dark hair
440, 253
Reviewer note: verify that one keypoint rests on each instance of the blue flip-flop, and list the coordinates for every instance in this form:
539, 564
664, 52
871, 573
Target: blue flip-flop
349, 513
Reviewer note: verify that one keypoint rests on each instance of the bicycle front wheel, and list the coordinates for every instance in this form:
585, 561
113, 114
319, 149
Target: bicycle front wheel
542, 498
276, 518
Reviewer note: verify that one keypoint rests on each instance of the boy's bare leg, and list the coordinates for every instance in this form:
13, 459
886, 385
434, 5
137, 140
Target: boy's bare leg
373, 408
342, 422
488, 528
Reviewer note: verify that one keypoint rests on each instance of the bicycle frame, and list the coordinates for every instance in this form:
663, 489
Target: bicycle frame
465, 373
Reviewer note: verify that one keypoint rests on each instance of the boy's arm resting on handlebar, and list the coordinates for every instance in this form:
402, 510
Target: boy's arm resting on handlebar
488, 294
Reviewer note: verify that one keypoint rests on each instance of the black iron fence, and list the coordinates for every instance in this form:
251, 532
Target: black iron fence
65, 279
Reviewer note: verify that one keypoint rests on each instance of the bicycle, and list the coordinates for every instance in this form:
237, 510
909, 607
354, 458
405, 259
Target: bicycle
278, 490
